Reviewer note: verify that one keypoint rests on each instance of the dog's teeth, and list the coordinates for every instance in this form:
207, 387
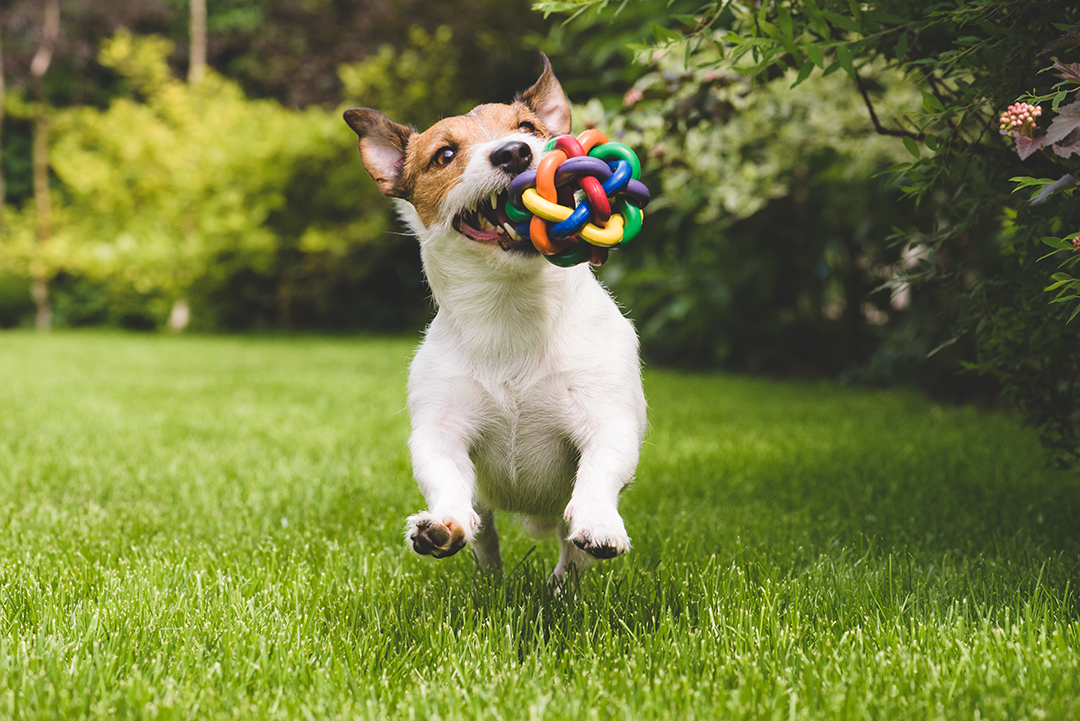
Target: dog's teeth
510, 231
494, 199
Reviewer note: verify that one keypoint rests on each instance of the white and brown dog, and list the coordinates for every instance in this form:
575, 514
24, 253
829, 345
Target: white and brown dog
525, 395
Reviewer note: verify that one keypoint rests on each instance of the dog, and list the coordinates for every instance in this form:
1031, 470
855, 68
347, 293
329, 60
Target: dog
525, 395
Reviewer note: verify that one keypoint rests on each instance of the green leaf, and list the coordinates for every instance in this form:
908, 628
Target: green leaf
804, 73
902, 46
816, 18
911, 145
687, 20
1024, 181
930, 103
841, 21
784, 21
813, 52
883, 16
931, 143
843, 56
663, 34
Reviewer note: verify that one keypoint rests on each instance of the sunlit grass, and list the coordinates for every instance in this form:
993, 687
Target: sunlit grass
211, 527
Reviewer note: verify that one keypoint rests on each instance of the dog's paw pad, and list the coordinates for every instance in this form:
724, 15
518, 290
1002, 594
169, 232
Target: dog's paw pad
436, 538
602, 546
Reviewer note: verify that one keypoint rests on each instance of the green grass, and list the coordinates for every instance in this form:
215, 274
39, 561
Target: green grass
211, 527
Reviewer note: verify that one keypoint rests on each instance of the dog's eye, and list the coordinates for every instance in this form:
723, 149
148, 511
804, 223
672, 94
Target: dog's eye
443, 155
527, 127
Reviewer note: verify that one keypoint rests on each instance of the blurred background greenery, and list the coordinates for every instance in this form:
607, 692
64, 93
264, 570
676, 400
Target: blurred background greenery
787, 236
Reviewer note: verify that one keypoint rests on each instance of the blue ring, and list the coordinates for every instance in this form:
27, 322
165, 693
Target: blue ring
619, 178
577, 220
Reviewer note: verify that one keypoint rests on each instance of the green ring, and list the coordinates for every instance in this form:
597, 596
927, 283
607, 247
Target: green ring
575, 254
633, 218
515, 213
549, 146
618, 151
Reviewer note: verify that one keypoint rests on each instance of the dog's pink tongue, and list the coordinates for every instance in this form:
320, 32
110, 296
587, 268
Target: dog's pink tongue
477, 234
481, 236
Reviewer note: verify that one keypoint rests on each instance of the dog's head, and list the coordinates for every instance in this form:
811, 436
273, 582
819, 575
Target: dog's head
455, 173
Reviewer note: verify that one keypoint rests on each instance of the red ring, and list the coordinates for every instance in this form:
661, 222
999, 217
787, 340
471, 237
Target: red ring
569, 145
598, 202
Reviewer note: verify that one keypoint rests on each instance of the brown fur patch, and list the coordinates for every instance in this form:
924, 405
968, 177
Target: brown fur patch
425, 183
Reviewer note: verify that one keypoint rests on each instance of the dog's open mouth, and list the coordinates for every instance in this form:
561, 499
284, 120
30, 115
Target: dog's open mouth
488, 223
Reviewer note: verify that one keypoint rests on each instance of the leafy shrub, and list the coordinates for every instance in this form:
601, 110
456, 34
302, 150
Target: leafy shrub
975, 249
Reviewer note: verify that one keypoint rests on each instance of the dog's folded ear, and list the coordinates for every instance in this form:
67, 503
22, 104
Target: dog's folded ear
547, 99
383, 144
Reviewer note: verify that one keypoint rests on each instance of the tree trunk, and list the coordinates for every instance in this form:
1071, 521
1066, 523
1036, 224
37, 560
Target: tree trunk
180, 315
3, 99
197, 62
50, 31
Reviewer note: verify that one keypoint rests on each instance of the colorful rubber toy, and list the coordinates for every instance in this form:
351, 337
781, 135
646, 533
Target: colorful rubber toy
544, 203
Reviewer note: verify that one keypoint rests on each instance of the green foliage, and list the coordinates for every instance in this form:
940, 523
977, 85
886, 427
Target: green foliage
1063, 138
420, 82
968, 60
764, 242
203, 527
256, 212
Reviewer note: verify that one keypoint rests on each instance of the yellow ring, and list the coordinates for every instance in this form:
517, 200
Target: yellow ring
604, 237
555, 213
544, 208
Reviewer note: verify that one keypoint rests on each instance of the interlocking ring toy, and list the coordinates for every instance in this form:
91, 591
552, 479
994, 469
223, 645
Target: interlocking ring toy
543, 203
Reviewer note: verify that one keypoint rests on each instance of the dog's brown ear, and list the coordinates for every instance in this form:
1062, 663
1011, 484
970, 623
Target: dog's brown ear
547, 99
382, 144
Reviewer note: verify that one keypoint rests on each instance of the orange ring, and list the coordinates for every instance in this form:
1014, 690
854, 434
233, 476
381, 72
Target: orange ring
591, 138
545, 187
545, 175
540, 240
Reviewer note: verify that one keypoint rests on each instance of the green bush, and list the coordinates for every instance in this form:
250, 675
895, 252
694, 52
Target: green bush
970, 256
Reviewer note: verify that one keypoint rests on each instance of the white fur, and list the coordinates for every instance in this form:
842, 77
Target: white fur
525, 395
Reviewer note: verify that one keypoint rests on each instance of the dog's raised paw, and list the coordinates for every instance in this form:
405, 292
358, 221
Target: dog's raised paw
601, 545
430, 537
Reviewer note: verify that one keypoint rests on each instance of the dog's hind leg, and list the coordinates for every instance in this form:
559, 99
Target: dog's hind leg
486, 543
571, 558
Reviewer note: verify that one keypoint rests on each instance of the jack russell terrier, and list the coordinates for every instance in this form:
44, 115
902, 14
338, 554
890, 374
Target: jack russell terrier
525, 395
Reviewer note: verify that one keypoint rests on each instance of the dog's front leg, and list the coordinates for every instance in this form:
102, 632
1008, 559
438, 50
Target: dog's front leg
443, 429
609, 442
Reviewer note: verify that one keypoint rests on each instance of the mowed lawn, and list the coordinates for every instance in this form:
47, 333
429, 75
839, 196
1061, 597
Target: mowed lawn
197, 527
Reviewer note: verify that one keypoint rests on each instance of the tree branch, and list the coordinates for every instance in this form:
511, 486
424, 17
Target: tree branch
878, 127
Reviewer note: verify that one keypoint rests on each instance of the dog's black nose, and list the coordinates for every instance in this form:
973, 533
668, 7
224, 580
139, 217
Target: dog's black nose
513, 157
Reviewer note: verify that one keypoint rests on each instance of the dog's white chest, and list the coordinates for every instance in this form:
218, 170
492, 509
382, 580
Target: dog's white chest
523, 454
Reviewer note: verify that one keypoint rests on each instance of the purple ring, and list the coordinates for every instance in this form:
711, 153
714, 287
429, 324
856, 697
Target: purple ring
574, 168
521, 183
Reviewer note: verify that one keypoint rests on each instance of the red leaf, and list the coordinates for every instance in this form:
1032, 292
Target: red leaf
1072, 37
1068, 146
1067, 72
1067, 120
1025, 146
